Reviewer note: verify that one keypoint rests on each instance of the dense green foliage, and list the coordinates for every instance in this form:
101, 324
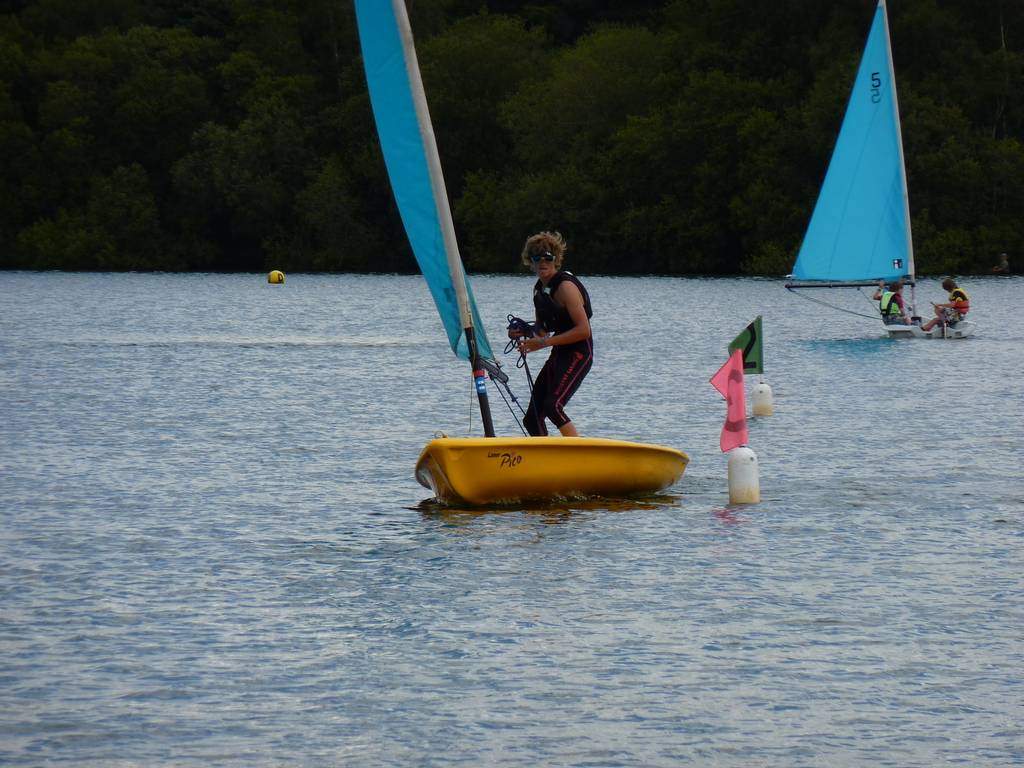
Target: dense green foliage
683, 136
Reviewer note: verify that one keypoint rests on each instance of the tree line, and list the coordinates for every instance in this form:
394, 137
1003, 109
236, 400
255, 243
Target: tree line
669, 137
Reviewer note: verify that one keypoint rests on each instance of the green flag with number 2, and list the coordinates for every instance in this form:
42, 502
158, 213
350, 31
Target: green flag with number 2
749, 343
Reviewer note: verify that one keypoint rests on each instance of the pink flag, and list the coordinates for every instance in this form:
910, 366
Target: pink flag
729, 381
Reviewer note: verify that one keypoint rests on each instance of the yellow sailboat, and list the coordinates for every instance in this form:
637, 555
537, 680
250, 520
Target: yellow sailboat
486, 470
490, 469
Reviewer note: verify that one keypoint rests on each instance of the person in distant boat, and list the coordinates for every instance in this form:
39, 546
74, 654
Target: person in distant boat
1003, 267
563, 312
890, 303
954, 310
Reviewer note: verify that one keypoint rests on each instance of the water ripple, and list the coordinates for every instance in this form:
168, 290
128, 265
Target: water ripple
213, 551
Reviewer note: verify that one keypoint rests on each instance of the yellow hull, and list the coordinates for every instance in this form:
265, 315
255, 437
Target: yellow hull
488, 470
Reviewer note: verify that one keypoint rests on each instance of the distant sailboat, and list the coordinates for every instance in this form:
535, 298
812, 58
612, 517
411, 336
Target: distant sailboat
489, 469
859, 233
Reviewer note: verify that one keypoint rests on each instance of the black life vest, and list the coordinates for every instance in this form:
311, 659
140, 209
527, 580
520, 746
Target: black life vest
552, 315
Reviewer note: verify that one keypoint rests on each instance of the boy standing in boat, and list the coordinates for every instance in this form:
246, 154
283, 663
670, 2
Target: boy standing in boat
563, 312
954, 310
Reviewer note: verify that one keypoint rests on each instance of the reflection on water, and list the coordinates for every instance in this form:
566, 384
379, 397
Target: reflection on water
880, 345
556, 511
730, 515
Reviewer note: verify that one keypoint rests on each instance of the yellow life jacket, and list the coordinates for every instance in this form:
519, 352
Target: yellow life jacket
958, 298
887, 304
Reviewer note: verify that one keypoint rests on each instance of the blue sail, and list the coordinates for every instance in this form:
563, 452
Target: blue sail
410, 154
860, 228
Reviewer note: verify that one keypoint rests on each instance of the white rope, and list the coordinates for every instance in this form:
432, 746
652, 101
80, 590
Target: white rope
836, 306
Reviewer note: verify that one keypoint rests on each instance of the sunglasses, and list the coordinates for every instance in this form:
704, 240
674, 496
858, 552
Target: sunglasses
538, 257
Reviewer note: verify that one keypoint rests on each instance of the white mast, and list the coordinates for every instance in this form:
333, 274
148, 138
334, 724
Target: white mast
899, 147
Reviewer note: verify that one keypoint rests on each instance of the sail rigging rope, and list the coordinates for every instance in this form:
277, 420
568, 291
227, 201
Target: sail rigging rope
501, 380
836, 306
500, 383
499, 386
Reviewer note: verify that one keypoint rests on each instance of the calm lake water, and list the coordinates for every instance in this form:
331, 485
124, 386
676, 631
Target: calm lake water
213, 550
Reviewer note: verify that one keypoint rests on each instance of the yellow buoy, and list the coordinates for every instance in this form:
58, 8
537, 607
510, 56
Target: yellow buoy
276, 276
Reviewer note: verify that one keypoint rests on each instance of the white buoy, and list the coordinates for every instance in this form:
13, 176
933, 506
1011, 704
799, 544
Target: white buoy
744, 485
761, 400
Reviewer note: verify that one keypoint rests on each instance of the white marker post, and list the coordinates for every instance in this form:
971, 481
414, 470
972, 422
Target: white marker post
743, 474
744, 477
761, 399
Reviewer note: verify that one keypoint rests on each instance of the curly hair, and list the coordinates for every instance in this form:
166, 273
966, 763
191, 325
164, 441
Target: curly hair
544, 242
